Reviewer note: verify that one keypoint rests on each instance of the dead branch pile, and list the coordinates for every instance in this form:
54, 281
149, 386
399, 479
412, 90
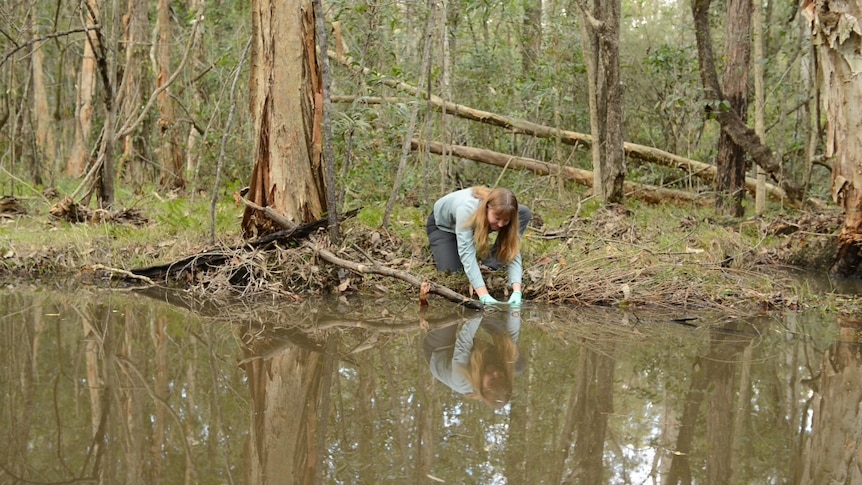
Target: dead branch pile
68, 210
10, 207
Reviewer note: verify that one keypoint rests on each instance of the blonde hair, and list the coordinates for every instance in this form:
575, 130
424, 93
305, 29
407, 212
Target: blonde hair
502, 354
504, 204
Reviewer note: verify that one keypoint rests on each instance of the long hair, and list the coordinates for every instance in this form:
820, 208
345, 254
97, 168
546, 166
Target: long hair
504, 203
502, 354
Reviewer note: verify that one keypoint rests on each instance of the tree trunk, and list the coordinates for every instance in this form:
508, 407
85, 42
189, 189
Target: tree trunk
602, 27
286, 100
195, 134
41, 111
759, 99
835, 32
85, 92
731, 162
170, 152
135, 91
531, 36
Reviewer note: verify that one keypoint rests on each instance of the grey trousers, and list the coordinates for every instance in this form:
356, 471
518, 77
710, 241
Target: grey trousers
444, 246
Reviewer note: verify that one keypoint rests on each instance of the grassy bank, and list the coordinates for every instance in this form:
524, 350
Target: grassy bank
575, 252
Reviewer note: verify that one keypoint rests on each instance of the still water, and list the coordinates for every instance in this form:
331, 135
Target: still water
122, 387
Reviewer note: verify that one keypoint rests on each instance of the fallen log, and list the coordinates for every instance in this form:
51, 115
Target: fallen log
646, 193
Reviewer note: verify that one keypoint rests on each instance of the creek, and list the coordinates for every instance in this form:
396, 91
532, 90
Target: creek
109, 386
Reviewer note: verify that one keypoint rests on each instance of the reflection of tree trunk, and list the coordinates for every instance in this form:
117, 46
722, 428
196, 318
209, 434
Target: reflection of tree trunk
834, 447
590, 404
429, 406
719, 418
92, 350
161, 390
516, 435
400, 436
18, 343
596, 402
680, 466
284, 392
743, 408
712, 379
564, 439
132, 402
365, 409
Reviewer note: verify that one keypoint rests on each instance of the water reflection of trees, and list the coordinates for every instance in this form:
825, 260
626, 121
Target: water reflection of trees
104, 388
114, 389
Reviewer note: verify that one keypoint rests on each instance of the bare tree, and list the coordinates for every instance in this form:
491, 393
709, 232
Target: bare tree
134, 90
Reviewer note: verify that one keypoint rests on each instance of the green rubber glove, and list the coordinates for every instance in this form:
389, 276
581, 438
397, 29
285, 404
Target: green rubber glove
488, 300
515, 299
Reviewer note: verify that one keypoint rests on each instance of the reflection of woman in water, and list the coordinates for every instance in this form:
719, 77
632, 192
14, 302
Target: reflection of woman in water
482, 368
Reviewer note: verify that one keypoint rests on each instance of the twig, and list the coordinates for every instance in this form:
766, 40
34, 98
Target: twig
127, 274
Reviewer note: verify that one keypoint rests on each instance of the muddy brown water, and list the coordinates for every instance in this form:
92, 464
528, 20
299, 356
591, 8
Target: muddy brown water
122, 387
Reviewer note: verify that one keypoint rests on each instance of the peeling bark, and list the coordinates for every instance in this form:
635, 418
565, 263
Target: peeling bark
286, 103
837, 37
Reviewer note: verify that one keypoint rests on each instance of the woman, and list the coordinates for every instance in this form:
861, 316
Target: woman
458, 230
480, 368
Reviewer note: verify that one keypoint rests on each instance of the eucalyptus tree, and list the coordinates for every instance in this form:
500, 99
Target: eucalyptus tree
286, 91
835, 31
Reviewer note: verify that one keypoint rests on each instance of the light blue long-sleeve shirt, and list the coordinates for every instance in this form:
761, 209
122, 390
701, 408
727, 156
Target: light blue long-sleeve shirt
451, 213
452, 372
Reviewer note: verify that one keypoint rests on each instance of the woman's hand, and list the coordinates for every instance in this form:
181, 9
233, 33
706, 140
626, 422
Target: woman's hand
488, 300
515, 299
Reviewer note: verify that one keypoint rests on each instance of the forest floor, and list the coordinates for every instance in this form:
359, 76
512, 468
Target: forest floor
636, 255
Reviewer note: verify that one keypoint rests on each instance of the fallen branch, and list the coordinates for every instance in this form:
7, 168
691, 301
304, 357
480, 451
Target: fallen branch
402, 275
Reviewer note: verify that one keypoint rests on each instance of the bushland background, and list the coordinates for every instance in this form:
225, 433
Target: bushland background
161, 91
